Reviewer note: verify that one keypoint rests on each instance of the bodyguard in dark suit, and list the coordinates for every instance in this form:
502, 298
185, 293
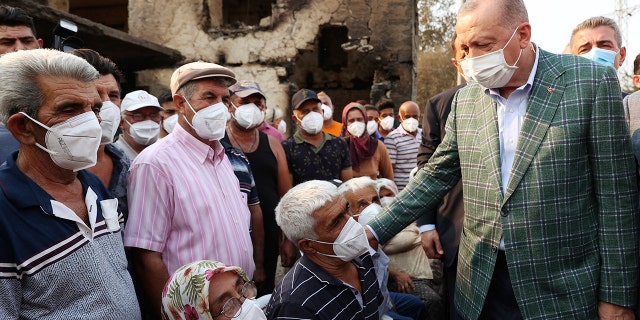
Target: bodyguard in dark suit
441, 242
550, 196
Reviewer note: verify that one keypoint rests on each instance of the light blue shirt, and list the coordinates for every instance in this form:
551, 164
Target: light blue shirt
511, 113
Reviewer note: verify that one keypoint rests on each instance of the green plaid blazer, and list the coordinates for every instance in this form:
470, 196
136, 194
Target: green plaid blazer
569, 213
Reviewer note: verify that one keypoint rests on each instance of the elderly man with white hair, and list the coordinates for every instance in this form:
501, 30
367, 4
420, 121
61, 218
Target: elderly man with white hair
62, 255
335, 278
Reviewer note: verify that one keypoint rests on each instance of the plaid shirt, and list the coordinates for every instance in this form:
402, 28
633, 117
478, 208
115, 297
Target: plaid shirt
324, 162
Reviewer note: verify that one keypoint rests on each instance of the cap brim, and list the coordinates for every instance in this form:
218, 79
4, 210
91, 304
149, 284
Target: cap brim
248, 92
305, 100
140, 106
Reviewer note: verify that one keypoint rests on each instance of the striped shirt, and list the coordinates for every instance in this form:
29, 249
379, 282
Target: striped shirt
52, 264
309, 292
242, 170
185, 202
403, 152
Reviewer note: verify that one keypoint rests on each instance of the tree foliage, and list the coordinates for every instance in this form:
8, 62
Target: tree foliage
434, 70
434, 74
437, 21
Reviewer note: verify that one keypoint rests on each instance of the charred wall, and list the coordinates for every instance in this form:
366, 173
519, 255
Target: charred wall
351, 49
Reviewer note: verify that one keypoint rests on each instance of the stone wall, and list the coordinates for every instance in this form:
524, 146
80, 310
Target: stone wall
294, 47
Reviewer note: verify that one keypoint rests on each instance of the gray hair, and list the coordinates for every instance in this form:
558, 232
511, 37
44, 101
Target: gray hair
295, 210
512, 12
355, 184
595, 22
20, 70
187, 90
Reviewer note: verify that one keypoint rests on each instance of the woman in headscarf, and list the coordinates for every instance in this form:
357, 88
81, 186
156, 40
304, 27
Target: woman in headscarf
413, 272
369, 157
210, 290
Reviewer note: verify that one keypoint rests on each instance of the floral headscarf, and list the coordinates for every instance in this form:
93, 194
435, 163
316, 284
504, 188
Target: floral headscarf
186, 294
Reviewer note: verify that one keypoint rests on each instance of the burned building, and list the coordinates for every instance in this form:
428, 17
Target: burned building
351, 49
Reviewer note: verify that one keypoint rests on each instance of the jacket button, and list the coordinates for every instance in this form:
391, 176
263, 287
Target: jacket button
504, 212
494, 249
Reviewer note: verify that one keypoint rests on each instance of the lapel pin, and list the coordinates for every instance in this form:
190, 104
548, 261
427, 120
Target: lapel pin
550, 89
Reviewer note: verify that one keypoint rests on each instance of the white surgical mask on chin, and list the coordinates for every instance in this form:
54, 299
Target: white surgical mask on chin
372, 126
170, 123
110, 120
490, 70
410, 124
248, 116
327, 112
356, 129
72, 144
210, 122
350, 243
144, 132
387, 123
312, 122
251, 311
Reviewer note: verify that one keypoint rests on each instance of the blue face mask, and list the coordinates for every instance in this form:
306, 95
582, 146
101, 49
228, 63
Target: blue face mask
601, 56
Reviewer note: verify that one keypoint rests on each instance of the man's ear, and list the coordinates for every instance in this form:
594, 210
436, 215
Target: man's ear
305, 246
623, 55
294, 119
180, 103
40, 43
22, 128
636, 80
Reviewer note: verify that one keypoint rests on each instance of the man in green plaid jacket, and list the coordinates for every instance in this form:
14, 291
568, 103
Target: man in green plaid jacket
550, 192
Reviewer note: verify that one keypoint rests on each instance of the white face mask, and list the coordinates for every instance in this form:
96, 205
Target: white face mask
72, 144
356, 129
210, 122
312, 122
350, 243
282, 127
410, 124
248, 116
170, 123
370, 212
110, 120
251, 311
144, 132
490, 70
386, 201
372, 126
387, 123
601, 56
327, 112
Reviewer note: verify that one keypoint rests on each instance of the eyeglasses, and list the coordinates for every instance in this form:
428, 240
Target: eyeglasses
233, 306
139, 116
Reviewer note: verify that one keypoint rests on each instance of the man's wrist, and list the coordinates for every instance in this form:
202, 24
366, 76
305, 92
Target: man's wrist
427, 227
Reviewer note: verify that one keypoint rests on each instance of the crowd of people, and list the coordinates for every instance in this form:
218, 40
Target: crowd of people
516, 197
